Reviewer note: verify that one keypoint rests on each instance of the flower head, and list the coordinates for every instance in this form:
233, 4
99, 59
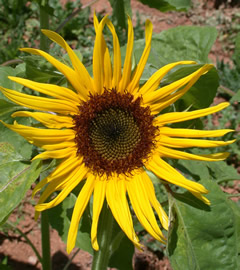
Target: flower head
108, 130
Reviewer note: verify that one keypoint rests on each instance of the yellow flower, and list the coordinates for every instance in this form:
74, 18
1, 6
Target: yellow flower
108, 130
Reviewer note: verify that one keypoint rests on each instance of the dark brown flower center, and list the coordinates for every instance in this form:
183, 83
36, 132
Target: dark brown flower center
114, 133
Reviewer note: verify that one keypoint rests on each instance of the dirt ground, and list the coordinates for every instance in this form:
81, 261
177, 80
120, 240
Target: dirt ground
19, 253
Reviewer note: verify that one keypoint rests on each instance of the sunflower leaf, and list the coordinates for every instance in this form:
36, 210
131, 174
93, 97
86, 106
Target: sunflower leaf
126, 249
178, 44
9, 71
7, 107
60, 218
201, 236
218, 171
16, 179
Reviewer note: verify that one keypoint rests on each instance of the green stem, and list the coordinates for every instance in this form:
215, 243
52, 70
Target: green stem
71, 259
44, 24
105, 230
27, 240
233, 195
46, 254
227, 90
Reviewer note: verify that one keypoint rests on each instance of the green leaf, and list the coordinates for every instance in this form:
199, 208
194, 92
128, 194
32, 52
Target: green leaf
166, 5
204, 237
16, 179
178, 44
122, 257
60, 218
184, 43
5, 82
19, 148
7, 107
17, 174
219, 171
38, 69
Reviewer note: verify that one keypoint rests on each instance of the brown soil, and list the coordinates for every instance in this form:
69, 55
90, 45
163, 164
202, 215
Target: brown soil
19, 253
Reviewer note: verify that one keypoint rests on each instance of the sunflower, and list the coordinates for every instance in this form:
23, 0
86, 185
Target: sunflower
107, 130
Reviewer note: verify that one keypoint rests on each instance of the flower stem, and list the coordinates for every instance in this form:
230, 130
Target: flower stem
29, 242
105, 230
44, 24
46, 254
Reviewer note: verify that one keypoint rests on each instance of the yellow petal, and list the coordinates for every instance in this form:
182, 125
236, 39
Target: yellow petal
41, 137
164, 171
107, 70
68, 72
98, 199
116, 199
58, 154
107, 67
80, 205
117, 66
157, 107
47, 119
154, 81
82, 73
62, 171
126, 75
53, 90
148, 186
175, 117
95, 22
57, 146
142, 207
193, 133
185, 143
57, 183
156, 96
98, 58
140, 67
40, 103
172, 153
73, 180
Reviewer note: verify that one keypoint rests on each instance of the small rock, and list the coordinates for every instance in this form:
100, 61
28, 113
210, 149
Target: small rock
32, 260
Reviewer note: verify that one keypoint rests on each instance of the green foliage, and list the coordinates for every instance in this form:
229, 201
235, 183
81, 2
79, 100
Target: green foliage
229, 75
182, 43
3, 264
60, 218
126, 249
177, 44
201, 236
17, 27
17, 174
230, 72
16, 178
167, 5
